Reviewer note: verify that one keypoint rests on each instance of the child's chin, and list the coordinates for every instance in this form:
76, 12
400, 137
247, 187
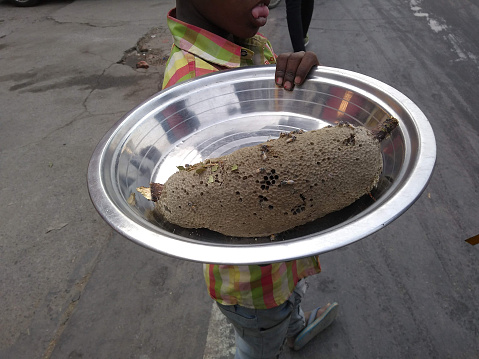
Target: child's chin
247, 34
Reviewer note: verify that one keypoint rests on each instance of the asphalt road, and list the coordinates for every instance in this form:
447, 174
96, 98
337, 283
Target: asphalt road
70, 287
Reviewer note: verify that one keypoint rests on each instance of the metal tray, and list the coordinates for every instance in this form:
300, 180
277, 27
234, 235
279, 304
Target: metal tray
219, 113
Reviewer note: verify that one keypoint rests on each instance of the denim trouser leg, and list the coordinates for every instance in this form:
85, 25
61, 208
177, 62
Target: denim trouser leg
297, 321
260, 333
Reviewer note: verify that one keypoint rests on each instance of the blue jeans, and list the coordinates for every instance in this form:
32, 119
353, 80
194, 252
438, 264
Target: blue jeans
260, 333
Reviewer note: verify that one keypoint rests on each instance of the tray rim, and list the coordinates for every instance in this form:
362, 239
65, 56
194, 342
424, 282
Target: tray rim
150, 236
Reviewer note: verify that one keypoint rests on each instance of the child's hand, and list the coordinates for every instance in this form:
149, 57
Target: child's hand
293, 67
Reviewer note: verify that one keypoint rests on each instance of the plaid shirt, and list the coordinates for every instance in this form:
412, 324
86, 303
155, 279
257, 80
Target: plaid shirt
196, 52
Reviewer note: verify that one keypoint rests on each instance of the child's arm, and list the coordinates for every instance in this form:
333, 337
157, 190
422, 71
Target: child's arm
293, 67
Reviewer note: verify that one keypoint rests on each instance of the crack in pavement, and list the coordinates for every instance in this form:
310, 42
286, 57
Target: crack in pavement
77, 291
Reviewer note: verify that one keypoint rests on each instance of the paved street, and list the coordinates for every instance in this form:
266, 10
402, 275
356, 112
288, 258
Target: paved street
71, 287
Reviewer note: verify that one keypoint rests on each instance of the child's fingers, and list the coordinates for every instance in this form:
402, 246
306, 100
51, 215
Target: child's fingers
281, 62
286, 68
308, 61
292, 68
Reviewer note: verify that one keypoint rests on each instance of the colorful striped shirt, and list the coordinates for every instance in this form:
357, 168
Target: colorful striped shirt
196, 52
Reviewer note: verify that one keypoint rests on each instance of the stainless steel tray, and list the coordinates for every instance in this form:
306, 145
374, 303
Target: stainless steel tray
217, 114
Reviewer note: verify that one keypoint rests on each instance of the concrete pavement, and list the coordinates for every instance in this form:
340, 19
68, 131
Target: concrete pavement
72, 288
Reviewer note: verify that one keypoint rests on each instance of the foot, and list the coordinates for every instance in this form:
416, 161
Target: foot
306, 40
290, 341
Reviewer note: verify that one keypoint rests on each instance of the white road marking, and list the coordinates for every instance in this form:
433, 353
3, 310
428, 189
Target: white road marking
440, 26
220, 342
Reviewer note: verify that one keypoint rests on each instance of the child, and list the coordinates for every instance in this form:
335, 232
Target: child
261, 301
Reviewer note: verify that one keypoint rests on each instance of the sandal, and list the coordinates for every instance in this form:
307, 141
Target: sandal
316, 325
